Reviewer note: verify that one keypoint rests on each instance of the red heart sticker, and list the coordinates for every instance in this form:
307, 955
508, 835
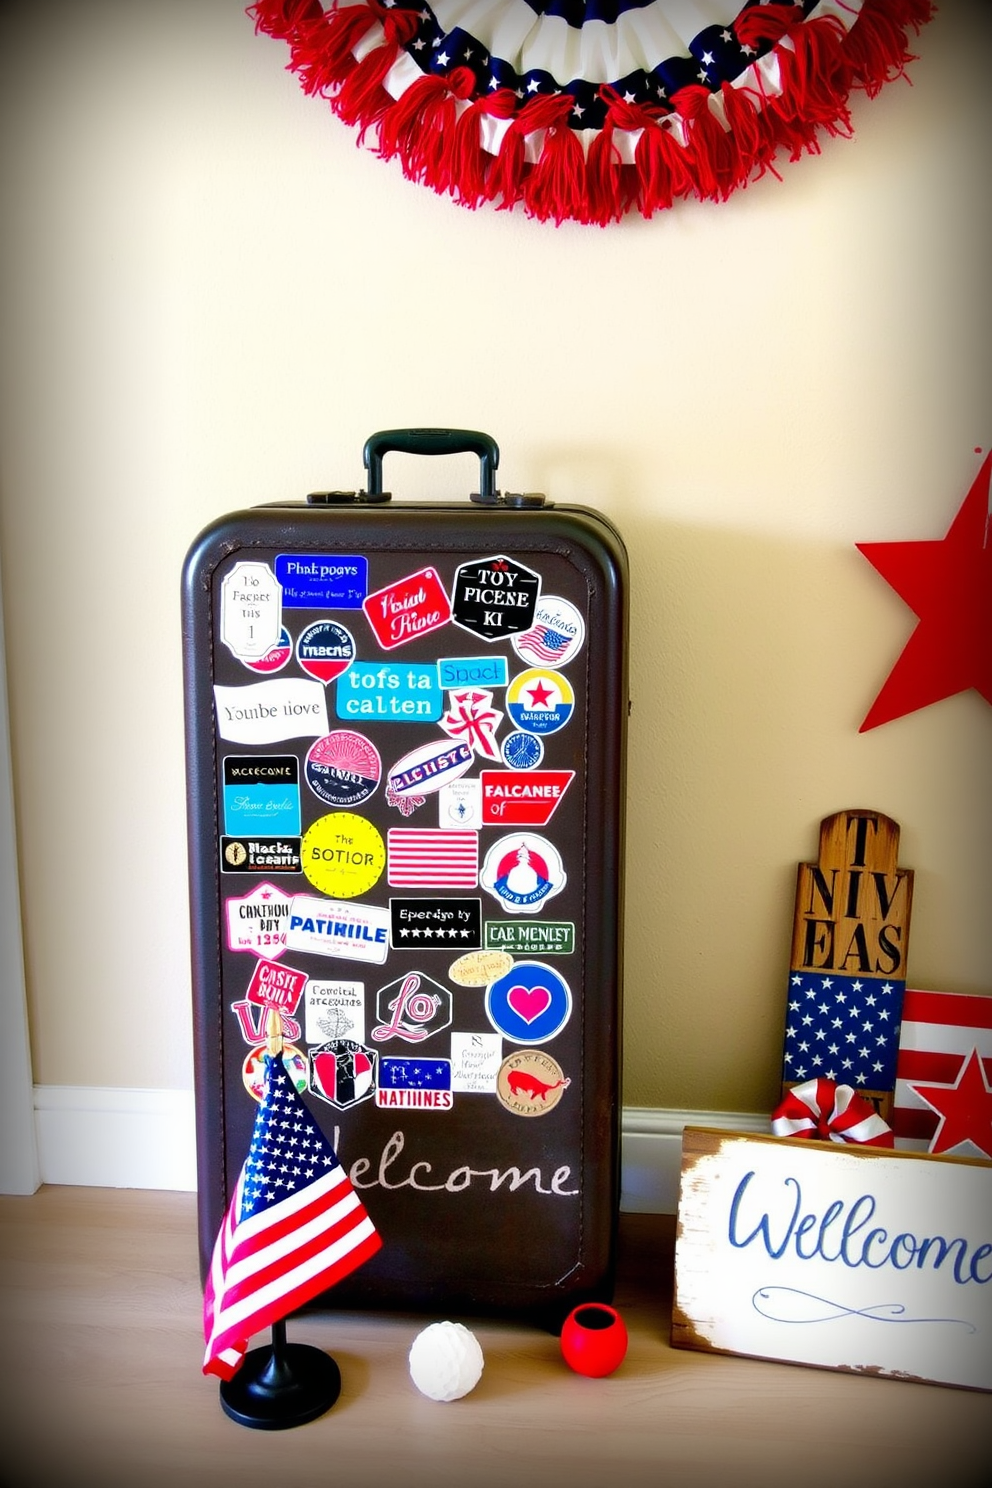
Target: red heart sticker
529, 1002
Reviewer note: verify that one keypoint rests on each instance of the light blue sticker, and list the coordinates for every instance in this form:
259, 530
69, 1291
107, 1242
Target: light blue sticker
389, 692
261, 795
472, 671
322, 581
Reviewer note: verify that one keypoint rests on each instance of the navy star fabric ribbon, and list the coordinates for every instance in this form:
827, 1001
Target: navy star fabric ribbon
587, 109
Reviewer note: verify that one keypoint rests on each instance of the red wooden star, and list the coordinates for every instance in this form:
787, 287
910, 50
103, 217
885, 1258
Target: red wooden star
947, 583
964, 1108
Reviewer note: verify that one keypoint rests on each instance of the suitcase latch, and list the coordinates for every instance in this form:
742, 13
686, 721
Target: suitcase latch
340, 498
524, 500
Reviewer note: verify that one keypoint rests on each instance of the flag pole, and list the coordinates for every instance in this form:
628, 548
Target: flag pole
282, 1384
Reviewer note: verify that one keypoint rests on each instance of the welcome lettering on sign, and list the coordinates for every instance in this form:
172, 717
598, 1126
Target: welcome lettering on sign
849, 1258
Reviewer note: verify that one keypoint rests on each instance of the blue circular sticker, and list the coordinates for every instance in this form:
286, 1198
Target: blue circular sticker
529, 1004
522, 751
325, 650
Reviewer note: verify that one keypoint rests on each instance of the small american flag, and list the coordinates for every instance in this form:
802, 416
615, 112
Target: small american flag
295, 1227
543, 643
432, 856
939, 1032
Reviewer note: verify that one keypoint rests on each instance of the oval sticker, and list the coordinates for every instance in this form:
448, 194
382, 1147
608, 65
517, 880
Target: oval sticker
429, 767
479, 968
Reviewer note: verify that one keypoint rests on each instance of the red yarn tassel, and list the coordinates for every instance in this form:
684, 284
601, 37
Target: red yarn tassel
362, 99
411, 126
749, 127
604, 178
555, 186
763, 23
711, 153
471, 162
282, 18
876, 47
663, 174
320, 42
611, 187
816, 78
561, 172
420, 127
654, 175
505, 182
322, 52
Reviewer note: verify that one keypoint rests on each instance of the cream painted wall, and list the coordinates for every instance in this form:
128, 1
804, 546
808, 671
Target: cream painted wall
211, 297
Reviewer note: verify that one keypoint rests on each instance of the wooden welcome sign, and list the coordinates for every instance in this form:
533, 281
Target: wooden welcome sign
847, 970
842, 1257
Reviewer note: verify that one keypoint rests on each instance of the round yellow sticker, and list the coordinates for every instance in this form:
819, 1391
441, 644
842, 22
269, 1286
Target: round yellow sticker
343, 855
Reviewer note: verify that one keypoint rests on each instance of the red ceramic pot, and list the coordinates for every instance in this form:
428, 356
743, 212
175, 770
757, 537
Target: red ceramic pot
594, 1339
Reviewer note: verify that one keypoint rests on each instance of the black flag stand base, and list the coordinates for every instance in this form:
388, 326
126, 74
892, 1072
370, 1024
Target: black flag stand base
285, 1385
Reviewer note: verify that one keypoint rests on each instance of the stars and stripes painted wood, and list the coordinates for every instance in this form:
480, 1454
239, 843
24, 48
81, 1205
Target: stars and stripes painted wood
943, 1096
847, 969
589, 109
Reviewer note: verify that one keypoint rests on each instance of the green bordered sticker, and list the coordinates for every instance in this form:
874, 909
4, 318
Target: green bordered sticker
549, 937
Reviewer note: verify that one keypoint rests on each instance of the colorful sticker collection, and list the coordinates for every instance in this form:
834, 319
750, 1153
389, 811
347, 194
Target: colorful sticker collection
468, 855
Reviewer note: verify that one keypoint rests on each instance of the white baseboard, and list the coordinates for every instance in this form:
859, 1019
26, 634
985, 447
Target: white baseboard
651, 1152
92, 1137
104, 1138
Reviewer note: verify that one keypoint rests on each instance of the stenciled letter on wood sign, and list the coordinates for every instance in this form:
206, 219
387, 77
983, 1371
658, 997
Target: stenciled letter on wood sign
847, 971
842, 1257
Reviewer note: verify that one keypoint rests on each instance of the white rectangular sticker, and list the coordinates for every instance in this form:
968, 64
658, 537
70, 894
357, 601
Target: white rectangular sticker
475, 1062
250, 610
460, 804
335, 1010
336, 927
264, 712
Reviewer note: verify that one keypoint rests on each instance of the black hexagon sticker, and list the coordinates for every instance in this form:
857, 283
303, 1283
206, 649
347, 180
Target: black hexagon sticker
495, 597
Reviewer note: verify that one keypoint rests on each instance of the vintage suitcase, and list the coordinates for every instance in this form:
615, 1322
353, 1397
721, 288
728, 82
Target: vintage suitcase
405, 761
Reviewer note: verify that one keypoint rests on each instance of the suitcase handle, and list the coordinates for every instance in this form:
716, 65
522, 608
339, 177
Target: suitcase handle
433, 442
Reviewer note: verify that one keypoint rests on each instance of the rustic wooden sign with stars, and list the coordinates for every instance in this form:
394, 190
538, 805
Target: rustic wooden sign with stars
847, 971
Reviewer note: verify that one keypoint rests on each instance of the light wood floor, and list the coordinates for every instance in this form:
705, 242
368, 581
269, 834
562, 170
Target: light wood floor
101, 1386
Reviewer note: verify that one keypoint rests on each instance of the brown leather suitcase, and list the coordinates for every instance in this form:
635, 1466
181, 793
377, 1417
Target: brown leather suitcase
405, 727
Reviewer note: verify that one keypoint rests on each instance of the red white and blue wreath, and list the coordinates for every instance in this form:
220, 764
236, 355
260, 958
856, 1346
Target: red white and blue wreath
589, 109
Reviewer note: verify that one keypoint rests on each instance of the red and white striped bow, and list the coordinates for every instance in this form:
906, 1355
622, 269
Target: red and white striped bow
831, 1113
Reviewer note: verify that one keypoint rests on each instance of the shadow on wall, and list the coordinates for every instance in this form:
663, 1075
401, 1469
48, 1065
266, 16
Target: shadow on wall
753, 660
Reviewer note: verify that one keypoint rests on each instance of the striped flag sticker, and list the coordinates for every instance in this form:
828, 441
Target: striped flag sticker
422, 858
939, 1032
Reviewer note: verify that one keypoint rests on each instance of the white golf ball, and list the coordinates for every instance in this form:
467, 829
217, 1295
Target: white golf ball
446, 1361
